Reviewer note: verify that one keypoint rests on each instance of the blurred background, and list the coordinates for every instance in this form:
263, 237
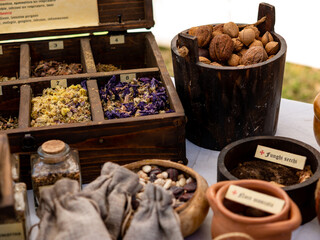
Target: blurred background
296, 21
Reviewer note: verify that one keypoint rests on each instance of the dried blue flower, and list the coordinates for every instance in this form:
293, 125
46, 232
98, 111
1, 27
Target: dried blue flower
140, 97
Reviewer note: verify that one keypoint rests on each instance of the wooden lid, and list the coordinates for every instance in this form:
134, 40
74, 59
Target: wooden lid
113, 15
53, 146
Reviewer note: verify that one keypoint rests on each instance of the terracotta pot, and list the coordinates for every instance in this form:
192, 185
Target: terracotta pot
276, 227
193, 212
302, 194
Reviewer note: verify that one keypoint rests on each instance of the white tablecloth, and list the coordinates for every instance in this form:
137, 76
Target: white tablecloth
295, 121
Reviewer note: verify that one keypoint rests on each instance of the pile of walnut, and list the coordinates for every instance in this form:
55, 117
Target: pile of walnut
181, 186
230, 45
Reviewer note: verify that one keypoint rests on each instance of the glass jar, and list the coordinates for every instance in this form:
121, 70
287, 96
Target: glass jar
17, 227
54, 160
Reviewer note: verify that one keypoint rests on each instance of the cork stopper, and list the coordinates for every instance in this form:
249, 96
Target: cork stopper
53, 146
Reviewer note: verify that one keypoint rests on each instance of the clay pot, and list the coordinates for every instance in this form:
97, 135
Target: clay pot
302, 194
316, 118
193, 212
276, 227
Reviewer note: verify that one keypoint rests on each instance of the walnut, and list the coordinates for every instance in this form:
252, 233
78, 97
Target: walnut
221, 47
238, 45
254, 55
247, 36
203, 34
272, 47
183, 51
204, 60
217, 30
234, 60
267, 37
231, 29
242, 52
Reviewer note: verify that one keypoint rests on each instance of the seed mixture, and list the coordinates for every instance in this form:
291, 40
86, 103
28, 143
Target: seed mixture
139, 97
272, 172
181, 186
55, 68
8, 123
60, 105
106, 68
6, 79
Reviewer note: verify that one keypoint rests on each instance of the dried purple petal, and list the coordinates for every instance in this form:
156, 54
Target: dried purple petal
190, 187
173, 174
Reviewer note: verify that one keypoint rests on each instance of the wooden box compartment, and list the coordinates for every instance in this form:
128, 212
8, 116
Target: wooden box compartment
124, 140
9, 60
9, 101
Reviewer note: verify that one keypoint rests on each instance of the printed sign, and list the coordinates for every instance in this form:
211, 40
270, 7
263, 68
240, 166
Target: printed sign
127, 77
11, 231
255, 199
37, 15
117, 39
280, 157
56, 45
60, 83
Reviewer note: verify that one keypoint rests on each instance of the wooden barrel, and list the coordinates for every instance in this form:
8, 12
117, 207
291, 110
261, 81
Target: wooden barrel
222, 103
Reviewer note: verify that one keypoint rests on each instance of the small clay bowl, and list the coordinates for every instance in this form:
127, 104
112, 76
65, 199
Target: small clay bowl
302, 194
276, 226
193, 212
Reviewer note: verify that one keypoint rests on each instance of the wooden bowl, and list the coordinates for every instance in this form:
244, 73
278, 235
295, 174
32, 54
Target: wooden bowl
302, 194
193, 212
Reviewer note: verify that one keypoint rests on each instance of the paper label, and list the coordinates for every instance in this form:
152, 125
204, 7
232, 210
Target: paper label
60, 83
12, 231
255, 199
127, 77
1, 52
37, 15
280, 157
117, 39
56, 45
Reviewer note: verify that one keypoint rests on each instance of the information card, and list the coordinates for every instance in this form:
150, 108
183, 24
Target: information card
38, 15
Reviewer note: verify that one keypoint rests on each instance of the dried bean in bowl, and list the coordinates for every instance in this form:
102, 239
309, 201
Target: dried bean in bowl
180, 184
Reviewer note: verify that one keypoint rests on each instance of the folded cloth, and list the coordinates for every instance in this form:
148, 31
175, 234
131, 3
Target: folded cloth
155, 217
112, 192
65, 214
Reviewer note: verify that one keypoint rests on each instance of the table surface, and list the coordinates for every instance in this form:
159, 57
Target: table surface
295, 121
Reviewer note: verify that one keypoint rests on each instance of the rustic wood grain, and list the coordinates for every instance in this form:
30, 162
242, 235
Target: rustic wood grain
25, 62
25, 106
86, 56
269, 11
95, 102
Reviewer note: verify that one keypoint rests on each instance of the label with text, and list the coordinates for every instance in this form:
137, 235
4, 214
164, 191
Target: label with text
56, 45
36, 15
1, 52
60, 83
12, 231
117, 39
127, 77
280, 157
255, 199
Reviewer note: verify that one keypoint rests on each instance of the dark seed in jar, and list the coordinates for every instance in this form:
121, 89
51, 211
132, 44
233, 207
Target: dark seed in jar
190, 187
176, 191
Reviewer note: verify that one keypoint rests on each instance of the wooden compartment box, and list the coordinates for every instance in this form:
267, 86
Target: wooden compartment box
125, 140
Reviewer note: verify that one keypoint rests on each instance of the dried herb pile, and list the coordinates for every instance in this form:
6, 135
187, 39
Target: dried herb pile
8, 123
54, 68
140, 97
6, 79
60, 105
106, 68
